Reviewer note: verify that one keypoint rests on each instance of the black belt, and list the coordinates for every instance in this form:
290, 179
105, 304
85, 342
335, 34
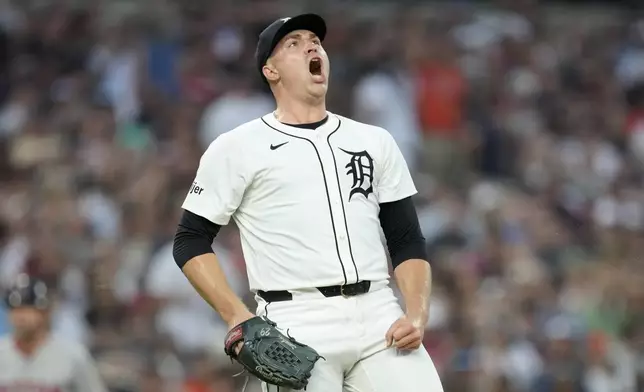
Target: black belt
347, 290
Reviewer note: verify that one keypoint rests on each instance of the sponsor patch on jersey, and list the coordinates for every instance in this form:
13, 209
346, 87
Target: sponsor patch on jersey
196, 189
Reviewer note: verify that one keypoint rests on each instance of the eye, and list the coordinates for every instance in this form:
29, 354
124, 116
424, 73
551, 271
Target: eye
292, 43
316, 41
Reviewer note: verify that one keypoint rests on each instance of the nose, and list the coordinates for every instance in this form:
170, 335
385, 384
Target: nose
311, 49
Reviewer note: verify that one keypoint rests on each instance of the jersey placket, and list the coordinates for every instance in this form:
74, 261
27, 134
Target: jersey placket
329, 167
320, 140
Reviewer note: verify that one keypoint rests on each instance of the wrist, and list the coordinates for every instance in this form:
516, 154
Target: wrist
237, 316
418, 319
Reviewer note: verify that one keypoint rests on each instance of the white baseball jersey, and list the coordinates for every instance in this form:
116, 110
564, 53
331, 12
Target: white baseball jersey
56, 366
306, 201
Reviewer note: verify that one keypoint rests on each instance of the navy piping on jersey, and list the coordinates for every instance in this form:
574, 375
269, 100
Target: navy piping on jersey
326, 187
344, 214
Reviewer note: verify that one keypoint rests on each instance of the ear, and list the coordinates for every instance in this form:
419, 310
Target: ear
270, 72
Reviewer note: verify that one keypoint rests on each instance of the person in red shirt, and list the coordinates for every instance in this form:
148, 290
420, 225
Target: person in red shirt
441, 91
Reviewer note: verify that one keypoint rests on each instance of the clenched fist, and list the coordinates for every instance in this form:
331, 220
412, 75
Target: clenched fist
405, 334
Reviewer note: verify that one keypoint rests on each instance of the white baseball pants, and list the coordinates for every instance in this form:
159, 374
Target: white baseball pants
350, 334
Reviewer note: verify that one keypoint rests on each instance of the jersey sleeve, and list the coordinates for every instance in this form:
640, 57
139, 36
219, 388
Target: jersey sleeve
220, 182
395, 182
87, 377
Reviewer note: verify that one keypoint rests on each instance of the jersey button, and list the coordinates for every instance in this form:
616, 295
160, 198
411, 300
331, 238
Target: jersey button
343, 237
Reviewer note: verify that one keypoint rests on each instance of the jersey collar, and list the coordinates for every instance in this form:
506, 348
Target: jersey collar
30, 350
323, 130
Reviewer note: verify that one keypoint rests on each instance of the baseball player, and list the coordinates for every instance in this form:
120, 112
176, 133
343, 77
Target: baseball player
31, 359
319, 199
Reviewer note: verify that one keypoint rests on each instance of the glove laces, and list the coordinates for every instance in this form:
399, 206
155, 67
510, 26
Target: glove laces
245, 381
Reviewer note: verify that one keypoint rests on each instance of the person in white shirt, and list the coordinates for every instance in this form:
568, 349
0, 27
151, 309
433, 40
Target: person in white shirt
238, 105
384, 98
184, 315
313, 195
32, 358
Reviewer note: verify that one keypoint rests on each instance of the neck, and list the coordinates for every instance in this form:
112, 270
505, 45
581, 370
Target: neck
28, 344
298, 112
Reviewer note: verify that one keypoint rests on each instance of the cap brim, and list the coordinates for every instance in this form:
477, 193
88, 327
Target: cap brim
310, 22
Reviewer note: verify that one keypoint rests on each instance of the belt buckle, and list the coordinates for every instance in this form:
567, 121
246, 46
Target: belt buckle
342, 293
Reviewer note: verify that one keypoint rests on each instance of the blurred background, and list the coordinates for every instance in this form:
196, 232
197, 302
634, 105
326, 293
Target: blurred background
522, 121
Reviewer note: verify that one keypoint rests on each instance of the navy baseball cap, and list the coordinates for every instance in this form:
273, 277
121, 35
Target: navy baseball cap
27, 292
271, 36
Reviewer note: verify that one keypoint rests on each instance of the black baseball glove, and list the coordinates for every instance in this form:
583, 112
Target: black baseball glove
270, 355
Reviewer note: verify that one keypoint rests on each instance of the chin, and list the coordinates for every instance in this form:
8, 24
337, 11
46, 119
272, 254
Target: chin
318, 89
25, 333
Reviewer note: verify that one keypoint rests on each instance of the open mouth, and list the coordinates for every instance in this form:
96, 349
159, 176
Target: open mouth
315, 66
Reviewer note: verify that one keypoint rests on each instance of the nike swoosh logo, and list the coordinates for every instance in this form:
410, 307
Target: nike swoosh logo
275, 147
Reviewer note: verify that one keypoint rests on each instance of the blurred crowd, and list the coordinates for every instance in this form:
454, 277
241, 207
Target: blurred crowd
522, 123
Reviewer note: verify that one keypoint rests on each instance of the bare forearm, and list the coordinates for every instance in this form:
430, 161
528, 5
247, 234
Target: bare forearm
207, 277
414, 279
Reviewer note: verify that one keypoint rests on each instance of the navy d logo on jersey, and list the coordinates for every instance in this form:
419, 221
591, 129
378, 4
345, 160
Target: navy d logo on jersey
360, 167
